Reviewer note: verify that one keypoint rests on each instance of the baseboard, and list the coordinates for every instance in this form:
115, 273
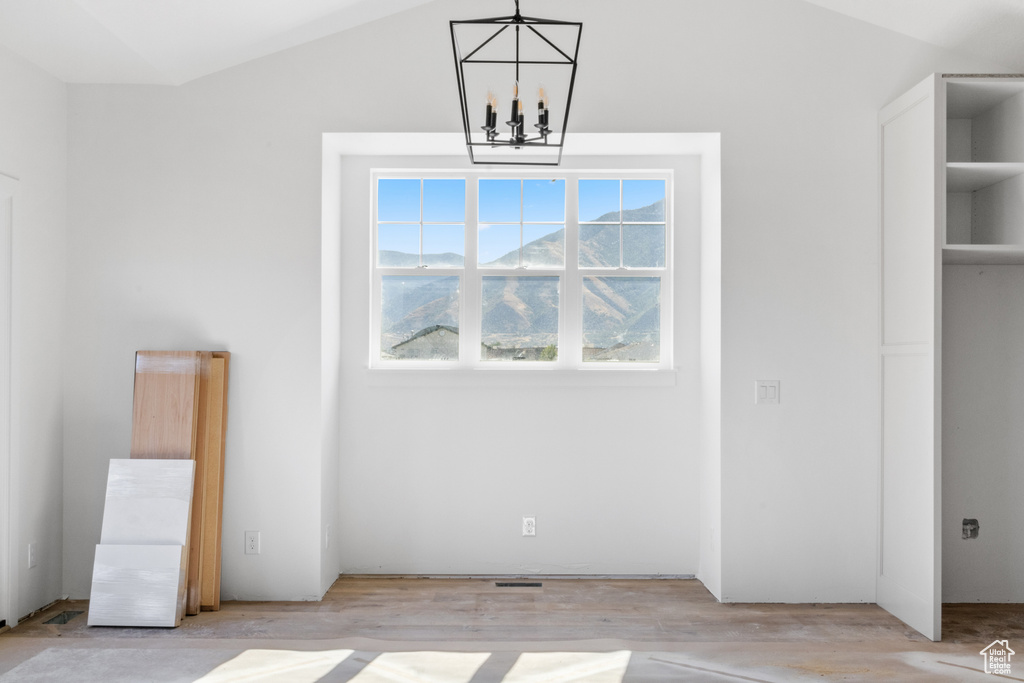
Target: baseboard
548, 577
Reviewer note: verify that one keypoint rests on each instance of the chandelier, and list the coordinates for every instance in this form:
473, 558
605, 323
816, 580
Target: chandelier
515, 56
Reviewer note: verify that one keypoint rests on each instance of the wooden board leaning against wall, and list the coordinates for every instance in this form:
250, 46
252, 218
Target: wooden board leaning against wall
180, 412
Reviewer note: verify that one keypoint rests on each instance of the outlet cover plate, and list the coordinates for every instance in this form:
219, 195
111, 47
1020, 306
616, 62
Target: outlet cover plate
252, 543
529, 526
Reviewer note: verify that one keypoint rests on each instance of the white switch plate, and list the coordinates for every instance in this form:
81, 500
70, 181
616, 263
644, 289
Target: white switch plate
32, 561
766, 391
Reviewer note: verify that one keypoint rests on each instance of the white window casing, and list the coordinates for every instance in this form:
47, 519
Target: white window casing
571, 277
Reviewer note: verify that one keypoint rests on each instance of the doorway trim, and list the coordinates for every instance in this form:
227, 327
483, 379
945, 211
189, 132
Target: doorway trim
8, 188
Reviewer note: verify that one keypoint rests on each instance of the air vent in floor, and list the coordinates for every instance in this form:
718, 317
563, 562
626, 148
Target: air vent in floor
63, 617
518, 584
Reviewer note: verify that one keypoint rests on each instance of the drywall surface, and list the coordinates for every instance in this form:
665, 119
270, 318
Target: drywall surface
196, 226
330, 379
982, 432
709, 569
195, 223
446, 467
33, 148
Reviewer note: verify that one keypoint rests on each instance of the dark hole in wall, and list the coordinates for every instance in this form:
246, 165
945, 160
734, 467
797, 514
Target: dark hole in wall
971, 528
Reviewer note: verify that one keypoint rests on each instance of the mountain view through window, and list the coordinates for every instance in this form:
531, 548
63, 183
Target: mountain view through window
522, 289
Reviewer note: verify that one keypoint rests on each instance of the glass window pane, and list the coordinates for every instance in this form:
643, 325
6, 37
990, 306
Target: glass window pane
444, 246
398, 200
544, 246
444, 201
544, 200
599, 246
599, 200
643, 201
419, 317
498, 246
500, 201
398, 245
643, 246
622, 319
520, 319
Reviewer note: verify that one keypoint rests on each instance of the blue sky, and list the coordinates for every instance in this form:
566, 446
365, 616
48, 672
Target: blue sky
500, 201
599, 197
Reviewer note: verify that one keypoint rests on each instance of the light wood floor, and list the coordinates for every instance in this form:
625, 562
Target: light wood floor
673, 630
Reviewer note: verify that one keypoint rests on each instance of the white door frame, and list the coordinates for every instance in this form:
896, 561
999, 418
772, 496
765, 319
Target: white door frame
8, 187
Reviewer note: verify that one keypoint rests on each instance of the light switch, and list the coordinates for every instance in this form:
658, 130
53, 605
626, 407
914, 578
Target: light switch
766, 391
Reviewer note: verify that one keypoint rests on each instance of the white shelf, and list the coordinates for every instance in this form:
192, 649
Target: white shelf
983, 254
968, 97
968, 177
984, 220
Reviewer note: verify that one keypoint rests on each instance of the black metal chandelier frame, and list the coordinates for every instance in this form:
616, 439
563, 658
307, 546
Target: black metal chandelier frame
517, 138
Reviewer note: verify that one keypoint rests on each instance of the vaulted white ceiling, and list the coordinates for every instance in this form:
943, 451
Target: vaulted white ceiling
175, 41
170, 41
990, 29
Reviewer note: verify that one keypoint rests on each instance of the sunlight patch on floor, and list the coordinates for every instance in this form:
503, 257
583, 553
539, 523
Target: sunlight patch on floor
592, 667
277, 665
419, 667
422, 667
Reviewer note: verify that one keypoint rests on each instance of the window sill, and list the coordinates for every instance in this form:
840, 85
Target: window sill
519, 377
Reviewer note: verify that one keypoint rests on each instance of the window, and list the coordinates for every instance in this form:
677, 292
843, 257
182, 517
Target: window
524, 271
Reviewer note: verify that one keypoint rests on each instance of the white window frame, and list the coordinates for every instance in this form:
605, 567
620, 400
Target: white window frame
570, 342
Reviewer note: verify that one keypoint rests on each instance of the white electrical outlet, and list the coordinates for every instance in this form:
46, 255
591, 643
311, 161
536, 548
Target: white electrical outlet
529, 526
32, 559
252, 543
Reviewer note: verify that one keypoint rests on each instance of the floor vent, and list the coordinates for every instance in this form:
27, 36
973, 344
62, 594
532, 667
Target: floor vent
63, 617
518, 584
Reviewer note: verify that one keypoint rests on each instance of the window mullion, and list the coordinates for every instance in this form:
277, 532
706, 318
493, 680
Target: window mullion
421, 221
471, 314
522, 188
570, 338
622, 258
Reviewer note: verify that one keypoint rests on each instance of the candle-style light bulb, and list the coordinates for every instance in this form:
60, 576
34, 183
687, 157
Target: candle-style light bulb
514, 116
542, 108
489, 111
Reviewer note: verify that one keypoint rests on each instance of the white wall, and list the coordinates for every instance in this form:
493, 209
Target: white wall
330, 374
437, 472
982, 432
795, 92
195, 224
33, 148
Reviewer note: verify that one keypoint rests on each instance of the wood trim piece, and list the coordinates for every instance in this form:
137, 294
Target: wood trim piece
193, 587
213, 493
